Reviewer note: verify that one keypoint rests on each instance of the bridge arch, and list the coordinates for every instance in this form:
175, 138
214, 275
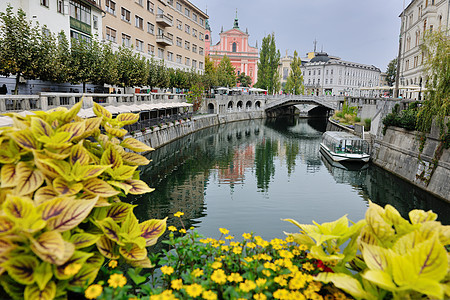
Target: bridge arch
248, 104
230, 105
210, 108
258, 104
239, 104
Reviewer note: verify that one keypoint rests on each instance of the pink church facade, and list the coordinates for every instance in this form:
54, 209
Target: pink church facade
234, 44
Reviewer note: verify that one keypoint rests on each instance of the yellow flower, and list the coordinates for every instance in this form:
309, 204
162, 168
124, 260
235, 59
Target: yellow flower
285, 254
117, 280
259, 296
172, 228
234, 244
224, 230
251, 245
225, 248
339, 295
236, 277
290, 239
197, 272
167, 270
248, 259
230, 237
176, 284
247, 286
182, 230
72, 269
93, 291
302, 247
247, 236
308, 266
194, 290
281, 294
266, 272
112, 264
219, 276
216, 265
280, 280
209, 295
178, 214
237, 250
261, 281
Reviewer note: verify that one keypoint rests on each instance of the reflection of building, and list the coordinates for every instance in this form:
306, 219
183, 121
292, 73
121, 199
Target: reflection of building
234, 44
418, 18
189, 197
235, 173
77, 18
167, 30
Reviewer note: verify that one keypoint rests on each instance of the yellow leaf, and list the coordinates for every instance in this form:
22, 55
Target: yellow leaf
72, 112
18, 207
135, 159
76, 129
135, 253
123, 172
346, 283
135, 145
418, 216
79, 154
56, 153
39, 127
73, 214
119, 211
49, 246
62, 168
32, 292
111, 157
42, 274
25, 139
107, 248
151, 230
78, 257
377, 258
138, 187
6, 225
127, 118
110, 229
65, 188
8, 176
85, 276
83, 240
145, 263
99, 187
92, 126
44, 194
381, 229
100, 111
21, 268
115, 131
380, 278
80, 172
28, 179
319, 253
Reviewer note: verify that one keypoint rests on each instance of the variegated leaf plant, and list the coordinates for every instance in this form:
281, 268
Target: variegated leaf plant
398, 259
60, 209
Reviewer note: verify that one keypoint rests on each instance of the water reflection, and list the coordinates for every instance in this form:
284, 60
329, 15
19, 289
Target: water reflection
248, 175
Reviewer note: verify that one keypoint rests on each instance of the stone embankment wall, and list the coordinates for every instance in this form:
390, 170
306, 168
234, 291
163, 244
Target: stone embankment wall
398, 152
159, 137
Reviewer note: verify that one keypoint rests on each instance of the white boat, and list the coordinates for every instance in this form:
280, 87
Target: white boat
344, 147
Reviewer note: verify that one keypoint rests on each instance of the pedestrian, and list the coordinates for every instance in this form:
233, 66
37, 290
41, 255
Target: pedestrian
3, 90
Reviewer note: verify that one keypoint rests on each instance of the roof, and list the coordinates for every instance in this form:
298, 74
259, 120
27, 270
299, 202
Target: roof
320, 57
340, 135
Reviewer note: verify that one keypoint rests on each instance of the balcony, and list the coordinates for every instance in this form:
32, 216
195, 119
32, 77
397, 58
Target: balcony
430, 9
164, 40
164, 20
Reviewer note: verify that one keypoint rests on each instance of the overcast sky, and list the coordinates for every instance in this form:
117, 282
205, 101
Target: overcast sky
363, 31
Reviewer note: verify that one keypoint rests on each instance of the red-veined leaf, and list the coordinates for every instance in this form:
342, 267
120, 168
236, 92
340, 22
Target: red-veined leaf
115, 131
49, 246
127, 118
151, 230
40, 127
33, 292
92, 124
72, 112
54, 207
121, 185
8, 176
135, 253
79, 154
123, 172
57, 154
28, 179
135, 145
6, 246
6, 225
44, 194
21, 268
110, 229
100, 111
18, 207
78, 257
83, 240
74, 213
25, 139
111, 157
62, 168
76, 129
135, 159
64, 188
85, 276
138, 187
99, 187
145, 263
107, 248
119, 211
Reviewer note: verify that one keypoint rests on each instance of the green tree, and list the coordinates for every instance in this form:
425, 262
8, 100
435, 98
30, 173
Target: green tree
83, 62
226, 73
162, 75
244, 80
209, 78
19, 46
132, 68
269, 57
436, 104
195, 96
294, 82
391, 72
61, 64
107, 72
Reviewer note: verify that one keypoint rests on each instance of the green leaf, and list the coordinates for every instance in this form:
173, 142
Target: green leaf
43, 274
380, 278
32, 292
346, 283
21, 268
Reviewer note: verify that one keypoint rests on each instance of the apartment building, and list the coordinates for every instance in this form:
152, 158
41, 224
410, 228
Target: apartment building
168, 30
418, 18
80, 19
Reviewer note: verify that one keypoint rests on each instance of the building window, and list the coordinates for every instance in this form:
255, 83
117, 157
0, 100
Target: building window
187, 61
95, 22
194, 17
187, 12
200, 65
331, 81
80, 11
139, 22
194, 63
187, 45
200, 36
194, 48
139, 45
187, 28
161, 53
179, 7
110, 7
194, 32
139, 2
331, 71
202, 21
206, 37
179, 25
200, 51
150, 6
126, 40
179, 57
318, 72
151, 49
150, 28
169, 56
110, 34
44, 3
179, 42
326, 81
126, 15
170, 2
60, 7
234, 47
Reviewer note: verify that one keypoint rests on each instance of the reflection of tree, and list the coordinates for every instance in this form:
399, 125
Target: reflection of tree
264, 162
292, 150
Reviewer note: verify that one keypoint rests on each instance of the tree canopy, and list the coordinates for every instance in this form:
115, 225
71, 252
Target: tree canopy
226, 73
269, 57
294, 82
391, 72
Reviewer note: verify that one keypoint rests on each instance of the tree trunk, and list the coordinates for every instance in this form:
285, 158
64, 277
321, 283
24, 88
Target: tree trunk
16, 89
84, 87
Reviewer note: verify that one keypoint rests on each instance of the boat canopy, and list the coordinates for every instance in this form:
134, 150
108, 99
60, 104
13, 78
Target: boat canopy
344, 142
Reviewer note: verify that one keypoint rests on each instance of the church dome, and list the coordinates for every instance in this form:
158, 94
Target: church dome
320, 57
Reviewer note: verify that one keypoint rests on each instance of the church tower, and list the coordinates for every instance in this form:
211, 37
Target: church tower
207, 37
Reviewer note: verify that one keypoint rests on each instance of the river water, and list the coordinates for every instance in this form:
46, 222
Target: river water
247, 176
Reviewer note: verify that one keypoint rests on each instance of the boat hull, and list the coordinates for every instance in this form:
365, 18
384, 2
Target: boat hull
344, 157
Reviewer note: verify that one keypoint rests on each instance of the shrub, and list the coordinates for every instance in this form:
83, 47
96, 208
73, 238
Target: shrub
357, 119
399, 259
60, 211
405, 119
367, 123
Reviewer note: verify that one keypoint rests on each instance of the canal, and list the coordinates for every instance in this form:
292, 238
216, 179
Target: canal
247, 176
